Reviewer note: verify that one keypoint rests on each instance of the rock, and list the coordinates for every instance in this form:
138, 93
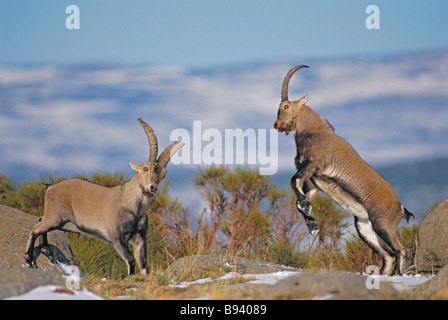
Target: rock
303, 285
432, 252
15, 227
14, 282
436, 288
328, 285
235, 264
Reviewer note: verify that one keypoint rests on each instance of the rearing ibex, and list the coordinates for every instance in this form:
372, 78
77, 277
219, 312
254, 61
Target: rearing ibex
328, 163
116, 215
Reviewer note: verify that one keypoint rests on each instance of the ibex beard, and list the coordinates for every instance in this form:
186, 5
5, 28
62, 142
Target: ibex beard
328, 163
117, 215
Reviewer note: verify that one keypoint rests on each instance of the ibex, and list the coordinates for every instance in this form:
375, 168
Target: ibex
328, 163
115, 215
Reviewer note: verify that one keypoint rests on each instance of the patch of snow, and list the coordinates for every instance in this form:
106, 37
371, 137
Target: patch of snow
267, 278
271, 278
230, 265
52, 292
324, 297
404, 282
185, 284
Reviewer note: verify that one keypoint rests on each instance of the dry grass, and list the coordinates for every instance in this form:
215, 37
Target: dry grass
156, 287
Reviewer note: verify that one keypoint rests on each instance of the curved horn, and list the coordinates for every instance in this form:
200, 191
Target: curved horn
152, 139
166, 155
286, 81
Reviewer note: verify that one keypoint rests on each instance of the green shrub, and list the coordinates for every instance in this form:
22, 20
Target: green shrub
31, 196
286, 253
408, 238
6, 185
358, 255
105, 179
8, 196
331, 220
94, 257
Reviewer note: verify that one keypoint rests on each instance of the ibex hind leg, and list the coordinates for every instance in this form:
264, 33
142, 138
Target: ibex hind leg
44, 248
30, 259
40, 229
370, 236
389, 236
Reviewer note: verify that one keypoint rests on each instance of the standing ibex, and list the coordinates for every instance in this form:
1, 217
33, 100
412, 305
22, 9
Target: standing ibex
116, 215
328, 163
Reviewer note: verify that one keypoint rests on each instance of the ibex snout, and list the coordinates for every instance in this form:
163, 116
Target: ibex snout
282, 126
153, 189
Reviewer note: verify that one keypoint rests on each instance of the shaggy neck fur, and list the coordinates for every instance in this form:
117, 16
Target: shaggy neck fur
136, 195
309, 121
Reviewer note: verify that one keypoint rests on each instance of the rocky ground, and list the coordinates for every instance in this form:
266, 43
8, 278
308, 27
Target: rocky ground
194, 277
15, 228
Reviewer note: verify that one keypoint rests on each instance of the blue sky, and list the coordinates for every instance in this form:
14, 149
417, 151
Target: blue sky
197, 34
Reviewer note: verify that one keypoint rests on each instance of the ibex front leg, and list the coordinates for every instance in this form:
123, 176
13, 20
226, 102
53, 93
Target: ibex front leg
304, 197
139, 245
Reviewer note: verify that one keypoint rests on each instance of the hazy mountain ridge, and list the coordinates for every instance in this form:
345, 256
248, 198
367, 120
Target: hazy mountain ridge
419, 184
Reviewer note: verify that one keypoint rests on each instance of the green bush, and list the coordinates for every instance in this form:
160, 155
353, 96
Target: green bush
105, 179
286, 253
358, 255
29, 196
408, 237
8, 196
234, 209
6, 185
331, 220
94, 257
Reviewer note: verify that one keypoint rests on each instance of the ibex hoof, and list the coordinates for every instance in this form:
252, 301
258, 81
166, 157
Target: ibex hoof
304, 206
47, 252
30, 263
312, 227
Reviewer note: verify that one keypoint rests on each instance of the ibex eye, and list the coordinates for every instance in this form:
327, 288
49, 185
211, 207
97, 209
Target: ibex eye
145, 169
286, 107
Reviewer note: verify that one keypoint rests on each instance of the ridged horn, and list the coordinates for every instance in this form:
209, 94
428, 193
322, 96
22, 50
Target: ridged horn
286, 81
152, 139
166, 155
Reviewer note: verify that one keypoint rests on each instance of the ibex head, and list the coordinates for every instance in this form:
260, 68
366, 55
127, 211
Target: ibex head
150, 173
288, 111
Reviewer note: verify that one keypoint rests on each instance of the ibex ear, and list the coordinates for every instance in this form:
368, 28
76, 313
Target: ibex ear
303, 100
137, 167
